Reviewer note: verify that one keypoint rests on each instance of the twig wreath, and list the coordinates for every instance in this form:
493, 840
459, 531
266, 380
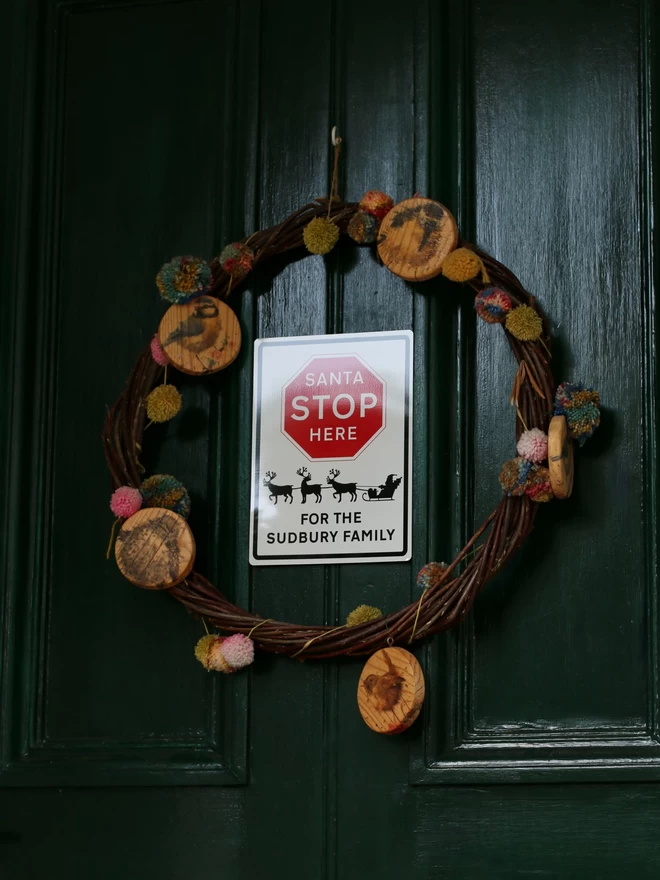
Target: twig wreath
155, 539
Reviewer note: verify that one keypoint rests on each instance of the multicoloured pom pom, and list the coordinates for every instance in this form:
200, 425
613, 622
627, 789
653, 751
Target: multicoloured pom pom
163, 490
218, 654
533, 445
463, 265
237, 260
363, 614
238, 651
183, 278
524, 323
125, 502
163, 403
363, 227
492, 305
430, 574
515, 475
157, 352
376, 203
581, 406
320, 235
538, 486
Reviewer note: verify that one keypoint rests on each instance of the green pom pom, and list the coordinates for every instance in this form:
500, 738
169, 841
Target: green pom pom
163, 490
363, 227
183, 278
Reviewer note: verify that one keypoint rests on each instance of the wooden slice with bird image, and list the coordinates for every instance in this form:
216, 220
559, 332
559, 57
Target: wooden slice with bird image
200, 336
155, 548
391, 690
415, 237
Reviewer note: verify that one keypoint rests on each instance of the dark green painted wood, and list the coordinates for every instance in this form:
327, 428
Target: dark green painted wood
136, 131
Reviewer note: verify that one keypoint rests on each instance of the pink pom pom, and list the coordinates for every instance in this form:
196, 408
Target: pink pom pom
125, 502
157, 352
533, 445
238, 650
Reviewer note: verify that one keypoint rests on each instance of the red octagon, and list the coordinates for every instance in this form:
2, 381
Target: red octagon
333, 407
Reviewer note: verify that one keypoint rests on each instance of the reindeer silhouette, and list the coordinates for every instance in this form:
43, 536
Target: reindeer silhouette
306, 488
341, 488
276, 491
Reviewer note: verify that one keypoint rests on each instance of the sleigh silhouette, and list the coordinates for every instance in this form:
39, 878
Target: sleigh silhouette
385, 492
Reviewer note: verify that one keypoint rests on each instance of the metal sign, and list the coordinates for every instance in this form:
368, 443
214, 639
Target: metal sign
331, 449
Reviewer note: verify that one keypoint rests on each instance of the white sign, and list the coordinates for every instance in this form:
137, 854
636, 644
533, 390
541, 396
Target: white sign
332, 449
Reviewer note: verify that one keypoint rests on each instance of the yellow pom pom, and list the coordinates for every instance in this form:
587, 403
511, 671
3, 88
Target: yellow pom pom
208, 651
524, 323
363, 614
203, 650
463, 265
163, 403
320, 235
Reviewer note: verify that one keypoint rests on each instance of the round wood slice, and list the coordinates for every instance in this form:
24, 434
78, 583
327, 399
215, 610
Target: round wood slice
415, 237
155, 548
560, 457
391, 690
201, 336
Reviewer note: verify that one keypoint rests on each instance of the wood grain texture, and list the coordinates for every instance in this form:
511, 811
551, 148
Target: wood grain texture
201, 336
560, 457
155, 548
390, 690
415, 237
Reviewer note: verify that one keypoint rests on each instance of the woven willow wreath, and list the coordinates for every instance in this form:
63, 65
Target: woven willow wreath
448, 590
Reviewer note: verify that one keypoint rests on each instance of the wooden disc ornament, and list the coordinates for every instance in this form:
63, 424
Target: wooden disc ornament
155, 548
391, 690
560, 457
200, 336
415, 237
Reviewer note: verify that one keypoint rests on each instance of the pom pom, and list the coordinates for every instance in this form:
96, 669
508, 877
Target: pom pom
492, 305
183, 278
157, 352
163, 490
376, 203
237, 260
125, 501
533, 445
463, 265
238, 651
429, 574
320, 235
163, 403
515, 474
524, 323
581, 406
208, 651
363, 227
363, 614
538, 486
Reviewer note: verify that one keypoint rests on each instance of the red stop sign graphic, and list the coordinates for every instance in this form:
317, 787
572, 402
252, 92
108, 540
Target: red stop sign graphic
333, 407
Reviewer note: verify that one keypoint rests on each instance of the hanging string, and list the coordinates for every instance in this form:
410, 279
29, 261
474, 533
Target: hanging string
334, 193
261, 623
112, 538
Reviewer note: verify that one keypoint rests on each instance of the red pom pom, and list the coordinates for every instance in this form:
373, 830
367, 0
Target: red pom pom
377, 203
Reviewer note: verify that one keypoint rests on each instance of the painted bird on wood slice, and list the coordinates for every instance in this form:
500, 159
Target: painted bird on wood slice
200, 330
384, 690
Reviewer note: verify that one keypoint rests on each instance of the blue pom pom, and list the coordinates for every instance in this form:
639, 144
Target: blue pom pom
581, 407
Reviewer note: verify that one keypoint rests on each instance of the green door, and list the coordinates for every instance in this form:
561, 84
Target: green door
140, 130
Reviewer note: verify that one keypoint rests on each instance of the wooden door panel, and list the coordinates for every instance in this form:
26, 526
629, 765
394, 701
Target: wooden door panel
555, 673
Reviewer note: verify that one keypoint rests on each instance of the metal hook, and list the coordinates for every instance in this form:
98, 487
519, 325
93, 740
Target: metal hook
333, 137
